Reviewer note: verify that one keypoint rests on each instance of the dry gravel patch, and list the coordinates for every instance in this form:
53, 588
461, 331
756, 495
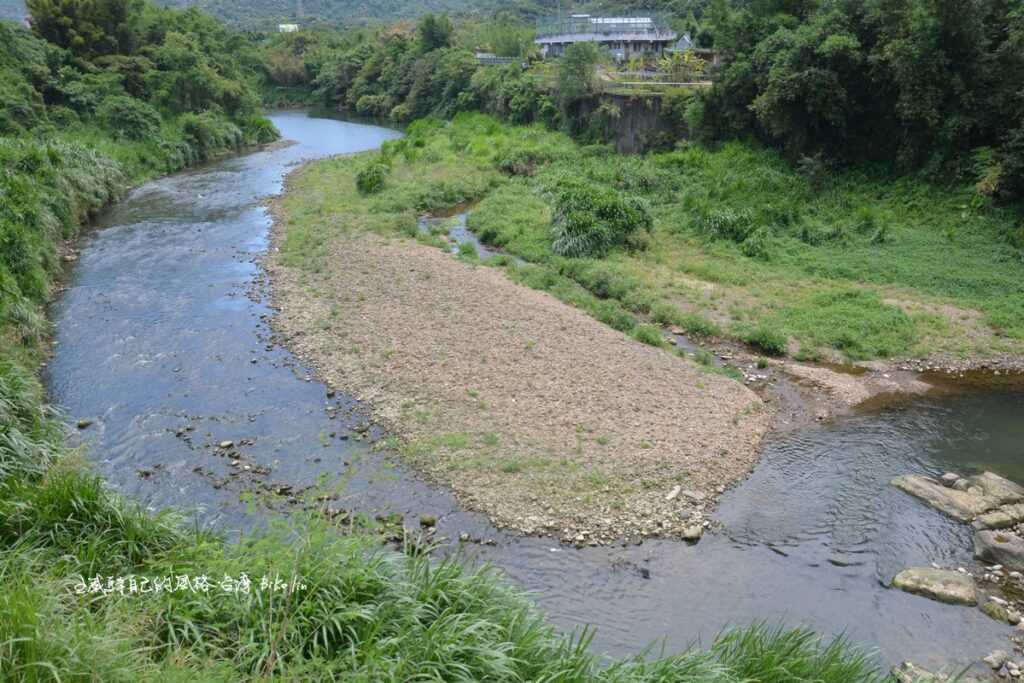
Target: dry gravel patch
529, 410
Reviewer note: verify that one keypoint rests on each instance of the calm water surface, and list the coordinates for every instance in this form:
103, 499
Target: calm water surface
163, 340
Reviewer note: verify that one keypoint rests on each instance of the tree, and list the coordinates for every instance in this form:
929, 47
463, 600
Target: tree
576, 73
88, 28
436, 32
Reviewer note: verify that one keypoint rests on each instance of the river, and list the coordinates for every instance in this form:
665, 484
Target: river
163, 340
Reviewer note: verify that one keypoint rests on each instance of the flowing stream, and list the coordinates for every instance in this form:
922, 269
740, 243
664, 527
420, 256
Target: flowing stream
163, 340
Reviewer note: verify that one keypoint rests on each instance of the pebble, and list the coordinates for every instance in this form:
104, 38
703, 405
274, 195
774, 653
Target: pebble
84, 423
226, 444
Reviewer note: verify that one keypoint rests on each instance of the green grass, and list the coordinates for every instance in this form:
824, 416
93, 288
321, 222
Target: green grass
741, 246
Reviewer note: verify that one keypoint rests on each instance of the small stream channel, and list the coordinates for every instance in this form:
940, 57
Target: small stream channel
163, 340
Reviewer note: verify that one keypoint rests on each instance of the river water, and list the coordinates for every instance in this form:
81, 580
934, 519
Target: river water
163, 340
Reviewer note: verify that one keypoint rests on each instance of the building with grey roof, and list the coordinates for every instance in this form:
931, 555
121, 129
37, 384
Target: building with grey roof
624, 37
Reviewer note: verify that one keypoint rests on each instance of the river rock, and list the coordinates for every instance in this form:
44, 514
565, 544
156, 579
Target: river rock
1000, 547
950, 478
1001, 518
692, 534
84, 423
996, 659
938, 584
999, 488
960, 505
1000, 613
908, 672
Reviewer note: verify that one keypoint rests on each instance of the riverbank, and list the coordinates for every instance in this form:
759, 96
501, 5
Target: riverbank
164, 290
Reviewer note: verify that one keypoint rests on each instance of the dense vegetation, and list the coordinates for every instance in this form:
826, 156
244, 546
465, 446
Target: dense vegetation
917, 84
721, 243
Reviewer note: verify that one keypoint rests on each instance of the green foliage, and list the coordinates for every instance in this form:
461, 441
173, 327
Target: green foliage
575, 81
436, 32
591, 220
88, 28
648, 334
208, 134
371, 178
918, 84
129, 118
766, 338
853, 321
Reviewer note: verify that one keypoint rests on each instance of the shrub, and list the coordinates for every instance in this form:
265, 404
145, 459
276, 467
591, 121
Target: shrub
730, 224
767, 339
208, 134
129, 118
591, 220
259, 130
648, 334
523, 162
370, 179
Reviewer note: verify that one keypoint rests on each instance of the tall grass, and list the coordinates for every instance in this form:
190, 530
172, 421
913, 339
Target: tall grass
365, 615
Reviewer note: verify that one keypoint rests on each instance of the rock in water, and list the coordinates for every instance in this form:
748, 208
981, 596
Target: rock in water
996, 659
1002, 518
1000, 547
959, 505
1000, 613
692, 534
938, 584
908, 672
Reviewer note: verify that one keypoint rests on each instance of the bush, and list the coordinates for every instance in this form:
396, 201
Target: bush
648, 334
523, 162
209, 134
767, 339
591, 220
129, 118
370, 179
259, 130
731, 224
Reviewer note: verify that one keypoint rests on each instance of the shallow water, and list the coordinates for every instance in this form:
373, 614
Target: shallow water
164, 327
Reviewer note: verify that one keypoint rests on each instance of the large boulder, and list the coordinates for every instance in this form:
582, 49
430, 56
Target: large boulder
1000, 547
960, 505
980, 494
938, 584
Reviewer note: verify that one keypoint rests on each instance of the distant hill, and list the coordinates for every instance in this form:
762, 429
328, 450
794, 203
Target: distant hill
267, 14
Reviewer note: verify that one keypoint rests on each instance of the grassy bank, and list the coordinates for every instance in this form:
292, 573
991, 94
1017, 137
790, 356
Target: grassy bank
739, 245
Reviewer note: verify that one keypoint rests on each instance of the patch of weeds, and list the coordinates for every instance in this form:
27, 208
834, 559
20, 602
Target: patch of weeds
727, 371
648, 334
768, 339
456, 441
490, 439
512, 466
